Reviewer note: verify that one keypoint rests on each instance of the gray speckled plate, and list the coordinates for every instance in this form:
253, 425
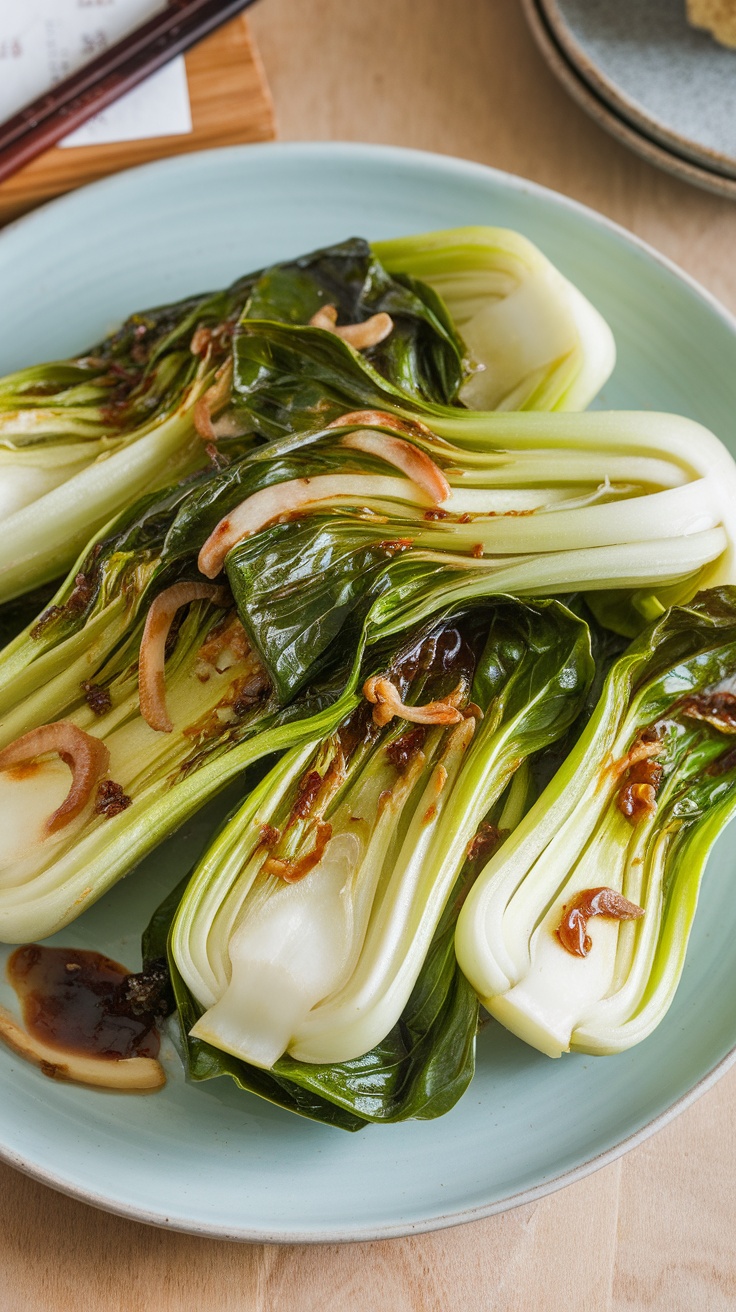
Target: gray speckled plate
600, 110
672, 81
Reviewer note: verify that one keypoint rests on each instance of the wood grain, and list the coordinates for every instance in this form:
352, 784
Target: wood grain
230, 103
654, 1231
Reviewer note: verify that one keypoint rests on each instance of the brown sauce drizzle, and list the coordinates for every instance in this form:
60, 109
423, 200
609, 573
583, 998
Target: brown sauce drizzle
250, 691
24, 770
308, 788
716, 708
82, 1002
97, 698
637, 796
228, 633
605, 902
292, 871
393, 545
111, 799
242, 694
402, 750
49, 615
79, 596
77, 601
487, 840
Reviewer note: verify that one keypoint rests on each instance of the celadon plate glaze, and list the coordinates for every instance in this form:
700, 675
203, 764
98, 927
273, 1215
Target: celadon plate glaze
208, 1158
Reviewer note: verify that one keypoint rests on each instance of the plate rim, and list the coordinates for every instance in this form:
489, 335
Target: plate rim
372, 1233
653, 152
363, 1233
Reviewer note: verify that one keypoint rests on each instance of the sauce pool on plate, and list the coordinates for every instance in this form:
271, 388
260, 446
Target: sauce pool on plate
80, 1001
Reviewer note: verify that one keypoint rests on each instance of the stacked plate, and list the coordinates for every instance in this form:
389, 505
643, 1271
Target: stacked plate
665, 89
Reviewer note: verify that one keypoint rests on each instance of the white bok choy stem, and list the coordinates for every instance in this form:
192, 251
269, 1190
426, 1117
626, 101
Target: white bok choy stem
306, 925
672, 451
684, 445
534, 341
638, 565
635, 808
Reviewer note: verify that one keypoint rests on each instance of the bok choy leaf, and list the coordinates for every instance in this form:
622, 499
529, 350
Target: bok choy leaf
632, 814
422, 356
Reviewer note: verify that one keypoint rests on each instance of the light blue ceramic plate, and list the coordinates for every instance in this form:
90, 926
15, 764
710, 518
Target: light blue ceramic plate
209, 1159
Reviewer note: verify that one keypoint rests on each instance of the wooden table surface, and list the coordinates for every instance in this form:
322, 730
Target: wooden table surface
656, 1229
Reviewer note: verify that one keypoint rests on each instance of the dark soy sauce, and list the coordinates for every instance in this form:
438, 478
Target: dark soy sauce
81, 1002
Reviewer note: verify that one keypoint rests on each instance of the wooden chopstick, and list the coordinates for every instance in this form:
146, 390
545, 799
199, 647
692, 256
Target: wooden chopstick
43, 122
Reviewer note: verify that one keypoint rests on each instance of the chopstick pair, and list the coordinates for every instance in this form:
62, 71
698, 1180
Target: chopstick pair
44, 122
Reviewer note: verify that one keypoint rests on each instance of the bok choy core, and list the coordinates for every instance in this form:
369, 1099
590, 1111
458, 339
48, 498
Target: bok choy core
305, 928
81, 438
633, 813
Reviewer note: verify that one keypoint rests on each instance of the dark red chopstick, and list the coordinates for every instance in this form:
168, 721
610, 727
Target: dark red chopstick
38, 126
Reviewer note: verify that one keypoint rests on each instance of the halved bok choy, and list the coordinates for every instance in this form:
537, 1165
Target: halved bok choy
424, 1063
574, 936
477, 315
84, 798
639, 505
306, 925
81, 438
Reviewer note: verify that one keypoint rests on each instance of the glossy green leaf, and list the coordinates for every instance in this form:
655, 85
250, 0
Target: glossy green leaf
423, 354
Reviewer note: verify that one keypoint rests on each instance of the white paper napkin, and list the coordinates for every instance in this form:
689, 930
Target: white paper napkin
43, 41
